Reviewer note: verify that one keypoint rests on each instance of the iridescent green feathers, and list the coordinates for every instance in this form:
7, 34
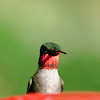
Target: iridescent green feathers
50, 48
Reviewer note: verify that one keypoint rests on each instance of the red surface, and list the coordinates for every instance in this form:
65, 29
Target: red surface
62, 96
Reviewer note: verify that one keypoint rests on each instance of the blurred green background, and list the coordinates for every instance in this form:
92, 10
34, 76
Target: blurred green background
26, 24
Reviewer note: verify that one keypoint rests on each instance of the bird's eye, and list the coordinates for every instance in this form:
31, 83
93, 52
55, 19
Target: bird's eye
45, 51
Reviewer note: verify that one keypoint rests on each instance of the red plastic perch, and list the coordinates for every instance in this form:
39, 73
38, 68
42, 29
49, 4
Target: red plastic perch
62, 96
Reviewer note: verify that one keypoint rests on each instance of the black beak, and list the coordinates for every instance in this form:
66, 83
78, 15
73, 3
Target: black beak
61, 52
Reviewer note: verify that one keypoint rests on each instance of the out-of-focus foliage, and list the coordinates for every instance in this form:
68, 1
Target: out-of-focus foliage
25, 25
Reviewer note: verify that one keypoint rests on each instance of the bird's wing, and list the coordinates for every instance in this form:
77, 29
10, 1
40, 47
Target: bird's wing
62, 84
29, 85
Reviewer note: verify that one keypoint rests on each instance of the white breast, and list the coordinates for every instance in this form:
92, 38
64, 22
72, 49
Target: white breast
49, 80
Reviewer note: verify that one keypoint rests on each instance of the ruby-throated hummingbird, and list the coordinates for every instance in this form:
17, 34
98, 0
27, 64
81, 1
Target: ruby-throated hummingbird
47, 79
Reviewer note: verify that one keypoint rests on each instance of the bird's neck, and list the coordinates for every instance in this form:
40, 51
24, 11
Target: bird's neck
48, 62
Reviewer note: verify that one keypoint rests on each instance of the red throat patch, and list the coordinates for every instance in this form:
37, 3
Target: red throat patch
48, 62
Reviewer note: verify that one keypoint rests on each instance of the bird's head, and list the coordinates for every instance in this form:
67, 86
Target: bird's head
51, 49
49, 54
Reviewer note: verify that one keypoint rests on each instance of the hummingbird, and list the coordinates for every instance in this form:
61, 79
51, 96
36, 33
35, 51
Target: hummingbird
46, 79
